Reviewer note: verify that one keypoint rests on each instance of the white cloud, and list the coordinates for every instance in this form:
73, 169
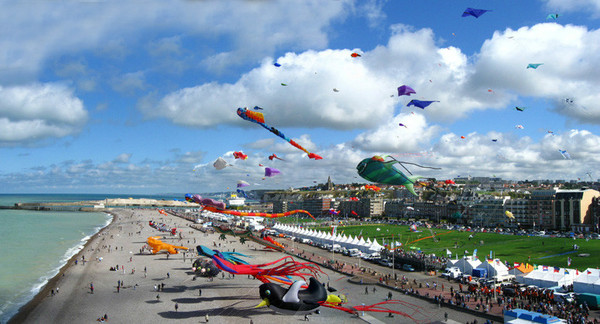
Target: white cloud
72, 27
39, 111
589, 6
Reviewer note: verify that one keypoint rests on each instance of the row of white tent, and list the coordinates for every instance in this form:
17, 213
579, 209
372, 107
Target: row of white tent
322, 237
587, 281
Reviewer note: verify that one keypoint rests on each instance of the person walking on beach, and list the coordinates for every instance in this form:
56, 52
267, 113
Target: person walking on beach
199, 292
176, 306
206, 318
92, 287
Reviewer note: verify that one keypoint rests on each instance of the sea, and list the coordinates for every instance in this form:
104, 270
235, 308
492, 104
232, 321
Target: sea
34, 245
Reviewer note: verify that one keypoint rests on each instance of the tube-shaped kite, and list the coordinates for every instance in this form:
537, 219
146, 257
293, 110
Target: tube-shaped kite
257, 117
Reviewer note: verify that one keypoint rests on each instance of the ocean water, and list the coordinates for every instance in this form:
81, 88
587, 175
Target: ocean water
34, 245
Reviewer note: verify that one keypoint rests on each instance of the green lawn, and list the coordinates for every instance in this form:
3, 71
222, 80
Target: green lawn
511, 248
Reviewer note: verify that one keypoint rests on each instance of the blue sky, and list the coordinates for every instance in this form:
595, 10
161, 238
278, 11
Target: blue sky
141, 97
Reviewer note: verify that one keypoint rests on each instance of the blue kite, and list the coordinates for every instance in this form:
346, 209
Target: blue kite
420, 103
534, 65
474, 12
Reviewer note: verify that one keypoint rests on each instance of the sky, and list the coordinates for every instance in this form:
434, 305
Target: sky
140, 97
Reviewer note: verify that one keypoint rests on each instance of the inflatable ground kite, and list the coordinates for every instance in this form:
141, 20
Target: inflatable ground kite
157, 245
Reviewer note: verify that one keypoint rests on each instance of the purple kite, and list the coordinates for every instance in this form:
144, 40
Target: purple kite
420, 103
405, 90
269, 172
474, 12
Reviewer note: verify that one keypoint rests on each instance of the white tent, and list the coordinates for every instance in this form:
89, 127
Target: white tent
375, 247
546, 277
494, 269
467, 264
588, 282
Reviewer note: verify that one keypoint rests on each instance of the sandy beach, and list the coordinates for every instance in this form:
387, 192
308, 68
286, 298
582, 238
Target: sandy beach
224, 300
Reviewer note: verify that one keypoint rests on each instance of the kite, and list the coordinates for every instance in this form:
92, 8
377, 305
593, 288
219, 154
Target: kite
273, 156
449, 181
270, 172
208, 202
240, 155
371, 187
188, 197
277, 64
474, 12
355, 54
534, 65
405, 91
420, 103
257, 117
157, 245
520, 127
520, 108
552, 16
565, 154
293, 300
336, 90
376, 169
509, 214
495, 140
462, 137
242, 192
400, 124
250, 214
220, 164
242, 183
257, 108
283, 84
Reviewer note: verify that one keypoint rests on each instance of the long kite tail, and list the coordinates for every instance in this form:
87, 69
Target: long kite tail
268, 215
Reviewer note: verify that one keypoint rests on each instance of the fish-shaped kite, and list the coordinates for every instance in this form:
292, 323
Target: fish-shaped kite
534, 65
420, 103
405, 90
474, 12
376, 169
269, 172
257, 117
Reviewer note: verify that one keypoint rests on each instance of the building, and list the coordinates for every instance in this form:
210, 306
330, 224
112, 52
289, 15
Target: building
573, 210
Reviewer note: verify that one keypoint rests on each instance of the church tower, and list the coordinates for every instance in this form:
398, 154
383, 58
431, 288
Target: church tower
329, 183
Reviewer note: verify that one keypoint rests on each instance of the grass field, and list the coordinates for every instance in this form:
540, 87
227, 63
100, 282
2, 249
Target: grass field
511, 248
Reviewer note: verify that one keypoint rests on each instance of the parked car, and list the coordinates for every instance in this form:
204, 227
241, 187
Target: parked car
452, 273
408, 267
386, 262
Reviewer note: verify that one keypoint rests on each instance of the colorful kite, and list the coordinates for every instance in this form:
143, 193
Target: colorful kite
293, 300
157, 245
405, 91
400, 124
284, 84
240, 155
257, 117
420, 103
552, 16
520, 108
268, 215
220, 164
270, 172
376, 169
371, 187
336, 90
520, 127
534, 65
277, 64
242, 192
257, 108
474, 12
355, 55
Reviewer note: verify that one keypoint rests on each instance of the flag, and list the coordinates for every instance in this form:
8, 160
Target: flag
556, 269
568, 261
475, 253
516, 264
576, 272
588, 272
545, 268
333, 229
566, 271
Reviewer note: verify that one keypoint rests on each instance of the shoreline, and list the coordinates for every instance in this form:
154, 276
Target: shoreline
44, 292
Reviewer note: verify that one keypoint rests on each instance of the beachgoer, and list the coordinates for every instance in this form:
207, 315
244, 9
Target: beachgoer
158, 297
366, 290
168, 275
176, 306
92, 288
206, 318
199, 292
306, 317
